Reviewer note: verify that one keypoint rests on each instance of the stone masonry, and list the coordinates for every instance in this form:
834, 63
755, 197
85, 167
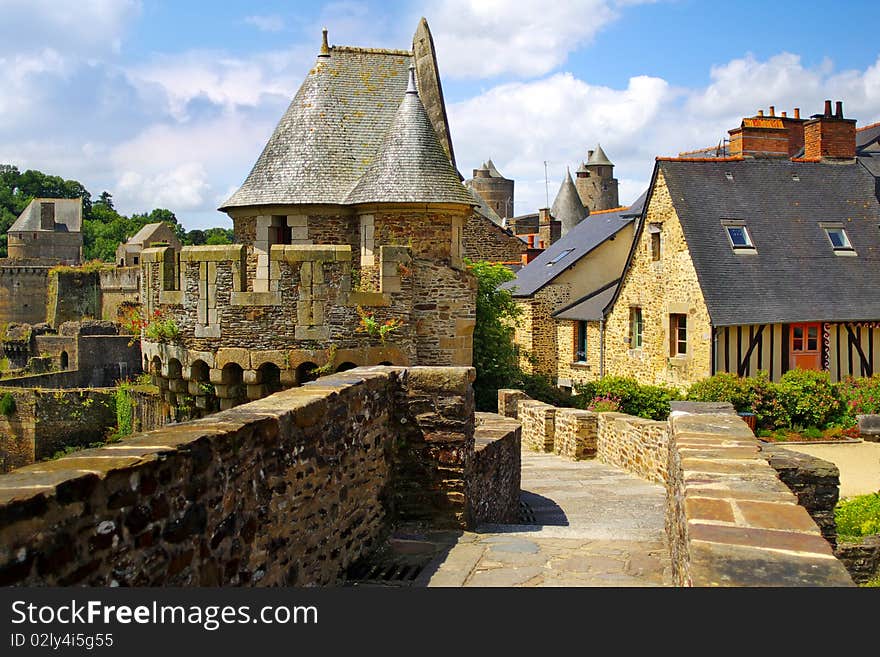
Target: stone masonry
288, 490
659, 288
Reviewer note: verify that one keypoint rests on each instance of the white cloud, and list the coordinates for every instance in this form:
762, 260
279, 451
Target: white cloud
485, 38
564, 116
220, 79
183, 187
271, 23
84, 27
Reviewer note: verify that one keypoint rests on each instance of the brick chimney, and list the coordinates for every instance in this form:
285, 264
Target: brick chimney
760, 136
47, 215
549, 229
829, 136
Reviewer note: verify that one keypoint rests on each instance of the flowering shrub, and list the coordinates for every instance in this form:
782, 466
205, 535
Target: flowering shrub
375, 328
604, 404
858, 397
157, 326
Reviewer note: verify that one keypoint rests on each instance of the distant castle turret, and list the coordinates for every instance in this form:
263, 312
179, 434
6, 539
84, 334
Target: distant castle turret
493, 188
596, 184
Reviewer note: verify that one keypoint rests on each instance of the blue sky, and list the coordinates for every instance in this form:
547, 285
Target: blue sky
168, 103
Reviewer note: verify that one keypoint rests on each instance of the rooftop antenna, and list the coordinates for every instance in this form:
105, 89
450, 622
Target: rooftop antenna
546, 187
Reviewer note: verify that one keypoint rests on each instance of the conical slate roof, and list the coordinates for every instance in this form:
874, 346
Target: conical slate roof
493, 172
598, 157
411, 165
567, 208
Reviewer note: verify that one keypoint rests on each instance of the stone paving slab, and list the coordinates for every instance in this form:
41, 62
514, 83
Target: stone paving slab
595, 525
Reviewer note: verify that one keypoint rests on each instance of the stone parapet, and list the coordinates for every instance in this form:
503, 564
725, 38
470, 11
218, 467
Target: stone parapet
538, 424
814, 481
730, 520
576, 433
635, 444
495, 483
508, 402
287, 490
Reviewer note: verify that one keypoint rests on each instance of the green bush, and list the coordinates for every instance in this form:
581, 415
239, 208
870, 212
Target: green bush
124, 410
7, 404
651, 402
723, 387
858, 516
809, 398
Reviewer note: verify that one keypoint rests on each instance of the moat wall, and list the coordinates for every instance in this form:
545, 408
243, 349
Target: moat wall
287, 490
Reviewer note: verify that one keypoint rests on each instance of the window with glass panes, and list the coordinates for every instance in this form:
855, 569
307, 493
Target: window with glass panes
635, 328
677, 335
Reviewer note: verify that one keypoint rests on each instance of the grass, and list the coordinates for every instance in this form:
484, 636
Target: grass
858, 517
810, 433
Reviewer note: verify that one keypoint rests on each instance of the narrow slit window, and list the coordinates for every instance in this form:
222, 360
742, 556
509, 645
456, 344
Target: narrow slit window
581, 345
678, 335
635, 328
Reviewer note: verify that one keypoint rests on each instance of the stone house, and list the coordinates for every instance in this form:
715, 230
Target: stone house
49, 230
568, 278
155, 234
762, 259
349, 232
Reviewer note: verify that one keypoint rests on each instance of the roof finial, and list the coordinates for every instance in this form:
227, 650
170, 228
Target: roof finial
325, 48
411, 85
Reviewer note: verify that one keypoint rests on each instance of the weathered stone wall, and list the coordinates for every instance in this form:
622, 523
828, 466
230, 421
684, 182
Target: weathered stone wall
659, 288
47, 421
862, 560
508, 402
538, 424
50, 246
119, 285
485, 240
730, 520
23, 293
288, 490
635, 444
494, 484
536, 331
72, 295
304, 311
815, 482
576, 433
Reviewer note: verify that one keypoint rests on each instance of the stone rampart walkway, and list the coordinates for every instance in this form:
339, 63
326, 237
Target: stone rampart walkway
589, 524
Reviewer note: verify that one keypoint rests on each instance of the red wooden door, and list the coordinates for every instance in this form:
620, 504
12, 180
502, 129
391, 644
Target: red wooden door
806, 352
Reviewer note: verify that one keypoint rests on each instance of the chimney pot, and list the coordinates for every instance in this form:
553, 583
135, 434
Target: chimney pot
760, 112
797, 112
542, 244
772, 110
784, 114
839, 109
828, 108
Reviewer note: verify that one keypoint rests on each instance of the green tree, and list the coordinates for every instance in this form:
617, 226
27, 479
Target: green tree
495, 357
218, 236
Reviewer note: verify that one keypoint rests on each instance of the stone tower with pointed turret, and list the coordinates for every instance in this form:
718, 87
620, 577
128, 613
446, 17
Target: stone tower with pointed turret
493, 188
349, 243
596, 184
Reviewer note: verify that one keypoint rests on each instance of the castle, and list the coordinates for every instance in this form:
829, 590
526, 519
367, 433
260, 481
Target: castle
348, 246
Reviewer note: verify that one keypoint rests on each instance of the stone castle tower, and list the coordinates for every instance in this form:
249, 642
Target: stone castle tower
351, 220
493, 188
596, 184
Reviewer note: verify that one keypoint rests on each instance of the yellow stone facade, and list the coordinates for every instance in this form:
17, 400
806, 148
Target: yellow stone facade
660, 288
546, 345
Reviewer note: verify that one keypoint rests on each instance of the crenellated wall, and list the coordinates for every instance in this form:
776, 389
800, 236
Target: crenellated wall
307, 314
287, 490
